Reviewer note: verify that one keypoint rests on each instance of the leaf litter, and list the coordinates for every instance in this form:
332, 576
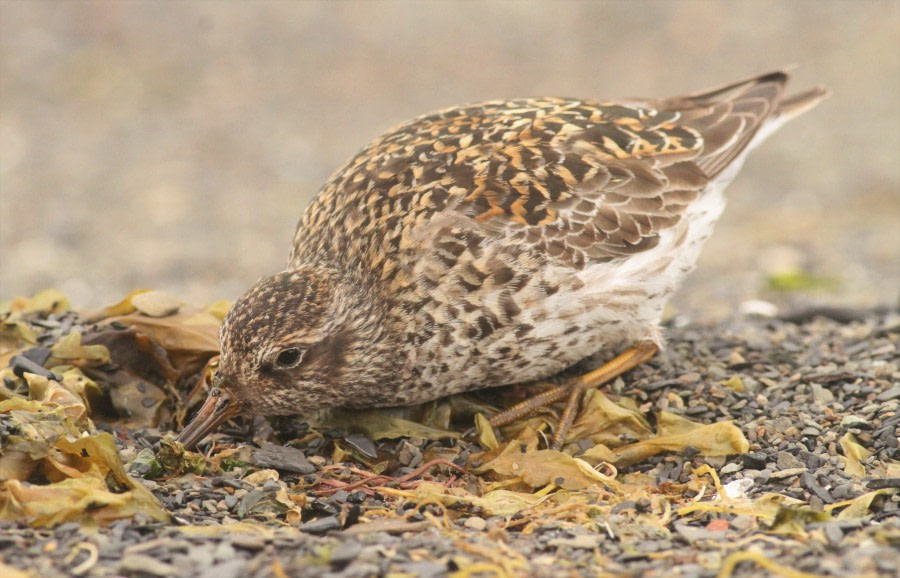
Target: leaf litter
88, 439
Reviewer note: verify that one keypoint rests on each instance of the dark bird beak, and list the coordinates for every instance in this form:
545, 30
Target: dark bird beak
219, 406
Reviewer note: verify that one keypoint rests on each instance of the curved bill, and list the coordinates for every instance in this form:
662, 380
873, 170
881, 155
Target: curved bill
219, 406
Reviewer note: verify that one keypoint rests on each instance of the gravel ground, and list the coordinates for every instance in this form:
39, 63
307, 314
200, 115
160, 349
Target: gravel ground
142, 147
806, 381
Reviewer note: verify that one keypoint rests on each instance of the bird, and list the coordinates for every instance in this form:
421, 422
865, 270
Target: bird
492, 244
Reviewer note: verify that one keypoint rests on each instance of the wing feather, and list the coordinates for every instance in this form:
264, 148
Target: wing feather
573, 181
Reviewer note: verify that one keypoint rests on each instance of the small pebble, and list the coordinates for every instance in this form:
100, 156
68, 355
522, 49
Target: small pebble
141, 564
344, 554
475, 523
321, 525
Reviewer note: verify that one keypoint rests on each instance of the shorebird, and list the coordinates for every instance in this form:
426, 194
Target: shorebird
492, 244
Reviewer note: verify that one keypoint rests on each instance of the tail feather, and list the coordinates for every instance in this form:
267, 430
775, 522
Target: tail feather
735, 118
797, 104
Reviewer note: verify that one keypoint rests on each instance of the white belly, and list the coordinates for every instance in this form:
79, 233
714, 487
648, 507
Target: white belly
604, 306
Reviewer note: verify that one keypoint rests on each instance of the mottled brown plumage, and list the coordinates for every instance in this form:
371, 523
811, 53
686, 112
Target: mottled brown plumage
487, 245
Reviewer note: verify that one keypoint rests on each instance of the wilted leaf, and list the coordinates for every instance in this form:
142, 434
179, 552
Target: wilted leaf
260, 477
495, 503
99, 449
16, 465
189, 338
91, 463
229, 458
486, 436
78, 383
14, 315
34, 426
123, 307
606, 422
187, 331
266, 503
854, 455
69, 350
764, 507
538, 468
859, 506
46, 302
437, 414
676, 434
138, 384
735, 382
156, 303
74, 499
219, 309
139, 401
794, 519
45, 390
507, 503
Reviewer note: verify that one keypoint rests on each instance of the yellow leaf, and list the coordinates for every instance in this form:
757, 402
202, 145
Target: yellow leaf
156, 303
123, 307
91, 462
196, 332
677, 434
260, 477
605, 422
858, 506
44, 390
854, 455
14, 331
734, 382
70, 350
495, 503
219, 309
16, 465
765, 507
486, 436
761, 560
507, 503
794, 519
46, 302
74, 499
541, 467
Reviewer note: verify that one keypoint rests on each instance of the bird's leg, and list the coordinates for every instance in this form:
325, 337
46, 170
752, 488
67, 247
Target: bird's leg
574, 390
567, 416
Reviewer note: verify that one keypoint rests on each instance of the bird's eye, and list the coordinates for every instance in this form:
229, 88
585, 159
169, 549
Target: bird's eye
289, 357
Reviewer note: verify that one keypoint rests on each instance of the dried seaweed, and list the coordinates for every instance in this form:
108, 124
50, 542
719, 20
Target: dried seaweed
139, 365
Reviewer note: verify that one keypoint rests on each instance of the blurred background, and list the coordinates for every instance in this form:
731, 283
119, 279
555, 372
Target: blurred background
175, 145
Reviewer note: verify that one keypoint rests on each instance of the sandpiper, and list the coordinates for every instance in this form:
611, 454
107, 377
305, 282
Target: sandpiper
492, 244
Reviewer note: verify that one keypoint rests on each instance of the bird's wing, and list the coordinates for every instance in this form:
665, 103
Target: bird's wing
579, 181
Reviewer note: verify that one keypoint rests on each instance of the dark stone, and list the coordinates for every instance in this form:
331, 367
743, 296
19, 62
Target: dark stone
363, 445
321, 525
20, 365
344, 554
284, 458
754, 460
880, 483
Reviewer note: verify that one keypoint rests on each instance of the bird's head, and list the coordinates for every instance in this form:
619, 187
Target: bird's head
288, 345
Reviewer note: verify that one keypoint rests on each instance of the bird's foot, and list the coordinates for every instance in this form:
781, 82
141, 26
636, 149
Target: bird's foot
573, 391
